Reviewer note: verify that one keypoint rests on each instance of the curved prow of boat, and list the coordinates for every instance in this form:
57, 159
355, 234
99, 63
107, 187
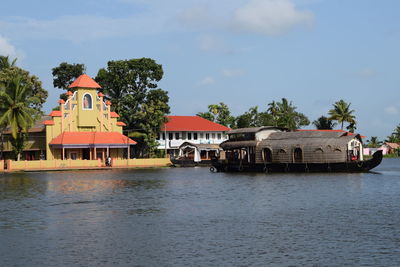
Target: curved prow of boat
376, 159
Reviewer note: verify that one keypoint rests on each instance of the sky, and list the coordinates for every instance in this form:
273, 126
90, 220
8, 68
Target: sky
244, 53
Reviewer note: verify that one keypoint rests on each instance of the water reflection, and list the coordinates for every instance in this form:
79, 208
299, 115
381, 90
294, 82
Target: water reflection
191, 217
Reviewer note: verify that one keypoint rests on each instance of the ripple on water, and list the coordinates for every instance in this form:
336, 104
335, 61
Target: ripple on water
170, 217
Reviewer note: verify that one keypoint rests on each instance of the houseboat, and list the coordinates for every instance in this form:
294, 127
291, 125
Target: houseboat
274, 149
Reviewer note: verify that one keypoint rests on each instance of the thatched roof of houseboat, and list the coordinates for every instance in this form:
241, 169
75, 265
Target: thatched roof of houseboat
315, 139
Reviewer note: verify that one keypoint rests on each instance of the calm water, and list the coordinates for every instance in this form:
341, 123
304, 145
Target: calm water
191, 217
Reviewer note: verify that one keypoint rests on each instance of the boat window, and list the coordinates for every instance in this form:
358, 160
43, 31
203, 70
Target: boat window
177, 136
242, 136
201, 135
298, 155
207, 136
213, 135
267, 154
170, 136
219, 136
189, 136
195, 136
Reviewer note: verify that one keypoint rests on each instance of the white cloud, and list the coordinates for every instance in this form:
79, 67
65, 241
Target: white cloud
232, 72
391, 110
7, 49
207, 81
270, 17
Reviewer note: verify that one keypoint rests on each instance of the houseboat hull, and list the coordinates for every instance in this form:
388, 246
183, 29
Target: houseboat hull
185, 162
351, 166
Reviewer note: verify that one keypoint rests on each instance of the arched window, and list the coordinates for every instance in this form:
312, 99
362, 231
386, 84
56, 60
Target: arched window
267, 154
87, 101
297, 155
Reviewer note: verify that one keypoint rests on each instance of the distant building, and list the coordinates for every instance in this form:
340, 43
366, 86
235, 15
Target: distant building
189, 129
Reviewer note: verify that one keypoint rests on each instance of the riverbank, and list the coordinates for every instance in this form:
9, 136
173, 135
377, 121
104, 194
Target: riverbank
59, 165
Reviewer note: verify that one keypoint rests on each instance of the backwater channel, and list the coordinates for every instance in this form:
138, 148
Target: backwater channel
191, 217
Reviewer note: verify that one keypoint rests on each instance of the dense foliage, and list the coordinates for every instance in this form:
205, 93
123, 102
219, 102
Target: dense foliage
280, 114
21, 100
65, 74
323, 123
132, 87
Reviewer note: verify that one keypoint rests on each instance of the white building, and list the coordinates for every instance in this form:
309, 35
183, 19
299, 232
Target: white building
192, 129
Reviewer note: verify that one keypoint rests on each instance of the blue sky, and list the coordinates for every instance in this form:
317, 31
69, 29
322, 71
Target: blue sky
241, 52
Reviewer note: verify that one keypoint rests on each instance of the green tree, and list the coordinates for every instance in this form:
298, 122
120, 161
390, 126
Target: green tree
5, 62
323, 123
218, 113
132, 87
65, 74
374, 142
342, 113
149, 119
253, 118
395, 136
15, 111
36, 94
284, 114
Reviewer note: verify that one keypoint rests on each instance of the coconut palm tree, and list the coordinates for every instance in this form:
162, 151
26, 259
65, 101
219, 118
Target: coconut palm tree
374, 142
342, 113
323, 123
5, 62
14, 111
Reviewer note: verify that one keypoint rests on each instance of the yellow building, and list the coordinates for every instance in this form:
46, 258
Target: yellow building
83, 128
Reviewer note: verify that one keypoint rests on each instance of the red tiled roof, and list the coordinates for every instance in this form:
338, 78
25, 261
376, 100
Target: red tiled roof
114, 114
55, 113
392, 145
192, 123
84, 81
48, 122
91, 138
121, 123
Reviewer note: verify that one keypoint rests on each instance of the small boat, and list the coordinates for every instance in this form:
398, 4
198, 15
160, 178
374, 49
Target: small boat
273, 149
192, 155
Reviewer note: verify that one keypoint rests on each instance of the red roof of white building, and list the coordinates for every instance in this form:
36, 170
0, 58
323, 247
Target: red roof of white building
84, 81
192, 123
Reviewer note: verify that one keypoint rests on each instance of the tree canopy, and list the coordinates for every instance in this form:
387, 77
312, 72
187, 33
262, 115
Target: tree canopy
218, 113
132, 87
282, 114
35, 96
395, 136
323, 123
66, 73
342, 113
14, 111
